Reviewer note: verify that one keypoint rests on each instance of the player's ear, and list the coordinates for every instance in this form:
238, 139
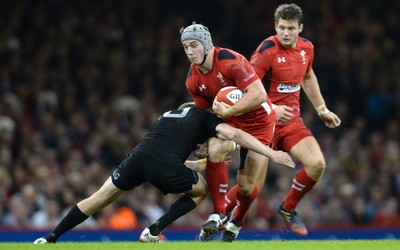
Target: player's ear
300, 28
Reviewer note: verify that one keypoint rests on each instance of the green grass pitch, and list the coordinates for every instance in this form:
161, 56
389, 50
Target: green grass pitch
238, 245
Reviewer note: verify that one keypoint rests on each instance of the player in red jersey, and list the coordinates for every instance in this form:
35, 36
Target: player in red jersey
213, 68
285, 61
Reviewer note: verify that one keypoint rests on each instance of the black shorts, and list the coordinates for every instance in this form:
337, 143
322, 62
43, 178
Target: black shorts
243, 154
168, 178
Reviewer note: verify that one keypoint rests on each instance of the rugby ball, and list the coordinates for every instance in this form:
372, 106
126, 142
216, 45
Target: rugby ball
229, 95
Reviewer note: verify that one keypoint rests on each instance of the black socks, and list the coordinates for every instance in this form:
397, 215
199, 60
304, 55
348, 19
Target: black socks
71, 220
180, 207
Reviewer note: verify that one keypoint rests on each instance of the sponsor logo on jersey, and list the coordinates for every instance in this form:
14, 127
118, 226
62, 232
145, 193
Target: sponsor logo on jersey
281, 59
248, 77
202, 87
288, 88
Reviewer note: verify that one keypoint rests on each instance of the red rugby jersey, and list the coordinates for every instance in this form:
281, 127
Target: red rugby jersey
229, 69
282, 69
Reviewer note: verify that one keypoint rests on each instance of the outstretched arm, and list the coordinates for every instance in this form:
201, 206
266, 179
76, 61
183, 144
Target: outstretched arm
225, 131
201, 154
197, 165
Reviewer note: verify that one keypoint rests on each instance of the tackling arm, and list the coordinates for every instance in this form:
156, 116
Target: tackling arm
225, 131
197, 165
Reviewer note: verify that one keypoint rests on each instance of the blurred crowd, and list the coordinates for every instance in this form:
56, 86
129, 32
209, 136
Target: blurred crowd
82, 82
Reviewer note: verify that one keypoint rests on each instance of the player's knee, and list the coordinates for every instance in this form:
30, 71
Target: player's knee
317, 169
246, 190
197, 195
203, 192
199, 190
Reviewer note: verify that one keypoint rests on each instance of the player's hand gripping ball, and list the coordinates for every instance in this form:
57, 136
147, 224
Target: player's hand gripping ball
229, 95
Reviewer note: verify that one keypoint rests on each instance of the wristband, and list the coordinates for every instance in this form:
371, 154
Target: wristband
273, 106
322, 109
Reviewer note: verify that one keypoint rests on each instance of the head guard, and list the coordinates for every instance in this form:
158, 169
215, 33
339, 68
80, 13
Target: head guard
200, 33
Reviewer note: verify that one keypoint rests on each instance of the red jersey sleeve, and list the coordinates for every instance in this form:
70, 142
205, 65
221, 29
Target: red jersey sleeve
238, 69
261, 59
311, 56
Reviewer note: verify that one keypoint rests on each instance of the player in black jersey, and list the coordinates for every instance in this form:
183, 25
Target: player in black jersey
159, 159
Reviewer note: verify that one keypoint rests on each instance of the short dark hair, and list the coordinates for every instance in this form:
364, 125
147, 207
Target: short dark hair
289, 12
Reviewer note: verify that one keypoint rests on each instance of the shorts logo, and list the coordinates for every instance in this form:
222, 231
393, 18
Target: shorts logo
288, 88
115, 174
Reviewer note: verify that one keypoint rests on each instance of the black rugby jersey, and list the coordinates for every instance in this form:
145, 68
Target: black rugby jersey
176, 133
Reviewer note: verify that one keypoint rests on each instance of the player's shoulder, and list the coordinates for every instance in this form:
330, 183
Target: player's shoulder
304, 42
191, 77
224, 54
268, 45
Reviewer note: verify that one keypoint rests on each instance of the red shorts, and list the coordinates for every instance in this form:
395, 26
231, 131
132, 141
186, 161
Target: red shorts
288, 135
261, 127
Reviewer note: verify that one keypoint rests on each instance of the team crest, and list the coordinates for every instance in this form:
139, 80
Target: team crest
202, 87
221, 78
303, 55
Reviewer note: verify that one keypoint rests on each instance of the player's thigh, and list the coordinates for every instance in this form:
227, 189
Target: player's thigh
131, 172
199, 190
171, 178
308, 152
254, 166
108, 190
101, 198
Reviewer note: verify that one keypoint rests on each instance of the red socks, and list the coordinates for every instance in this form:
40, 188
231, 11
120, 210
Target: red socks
243, 206
217, 180
230, 199
301, 184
